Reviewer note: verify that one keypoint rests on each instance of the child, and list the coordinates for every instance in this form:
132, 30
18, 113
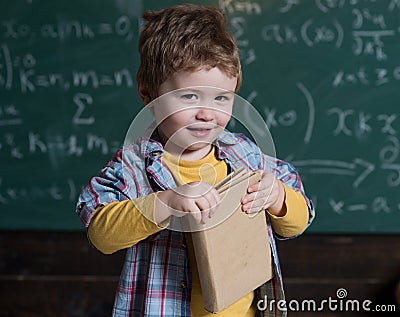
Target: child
185, 46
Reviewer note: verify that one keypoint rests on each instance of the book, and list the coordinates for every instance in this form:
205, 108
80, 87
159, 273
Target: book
232, 249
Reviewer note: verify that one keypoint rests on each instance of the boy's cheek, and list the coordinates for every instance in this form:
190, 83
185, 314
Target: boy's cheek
225, 117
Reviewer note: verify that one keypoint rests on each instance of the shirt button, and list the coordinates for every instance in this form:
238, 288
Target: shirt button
183, 284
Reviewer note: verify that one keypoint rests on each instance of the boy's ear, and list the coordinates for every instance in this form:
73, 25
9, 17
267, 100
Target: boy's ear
144, 95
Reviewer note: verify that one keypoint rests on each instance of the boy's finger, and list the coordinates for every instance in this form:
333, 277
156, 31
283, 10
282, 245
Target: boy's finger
250, 207
204, 204
205, 216
263, 185
262, 201
266, 182
195, 212
255, 187
205, 211
216, 201
262, 194
214, 209
196, 216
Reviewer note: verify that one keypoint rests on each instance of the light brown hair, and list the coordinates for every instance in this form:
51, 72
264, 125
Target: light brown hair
184, 38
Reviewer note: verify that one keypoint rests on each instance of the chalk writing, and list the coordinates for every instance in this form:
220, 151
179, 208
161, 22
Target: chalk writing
9, 143
123, 26
311, 112
73, 145
289, 118
327, 5
58, 190
285, 119
359, 168
371, 43
247, 7
379, 204
30, 79
362, 15
9, 115
352, 123
390, 152
81, 100
394, 177
366, 76
238, 26
370, 29
288, 5
310, 33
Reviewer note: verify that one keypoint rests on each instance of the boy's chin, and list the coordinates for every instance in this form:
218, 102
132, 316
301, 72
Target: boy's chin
199, 146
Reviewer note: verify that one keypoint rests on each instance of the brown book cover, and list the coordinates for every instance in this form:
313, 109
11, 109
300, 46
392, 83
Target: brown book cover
232, 250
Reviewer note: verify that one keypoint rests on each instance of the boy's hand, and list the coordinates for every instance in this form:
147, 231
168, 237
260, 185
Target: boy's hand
267, 194
198, 199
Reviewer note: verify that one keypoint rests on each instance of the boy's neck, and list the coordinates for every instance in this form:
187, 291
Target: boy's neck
191, 155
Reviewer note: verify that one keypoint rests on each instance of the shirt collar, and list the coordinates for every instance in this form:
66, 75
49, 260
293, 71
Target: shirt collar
226, 138
150, 144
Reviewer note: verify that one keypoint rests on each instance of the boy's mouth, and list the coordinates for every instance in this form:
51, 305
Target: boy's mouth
200, 131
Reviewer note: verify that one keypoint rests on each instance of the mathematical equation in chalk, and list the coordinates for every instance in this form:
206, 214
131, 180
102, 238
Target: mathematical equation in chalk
376, 205
12, 29
23, 72
26, 147
56, 190
371, 33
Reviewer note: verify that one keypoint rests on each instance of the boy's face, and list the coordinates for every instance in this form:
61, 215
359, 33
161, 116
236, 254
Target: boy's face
194, 109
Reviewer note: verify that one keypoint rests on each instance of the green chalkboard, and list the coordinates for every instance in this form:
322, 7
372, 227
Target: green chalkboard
324, 75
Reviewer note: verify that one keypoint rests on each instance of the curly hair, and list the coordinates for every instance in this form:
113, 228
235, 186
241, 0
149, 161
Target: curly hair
185, 38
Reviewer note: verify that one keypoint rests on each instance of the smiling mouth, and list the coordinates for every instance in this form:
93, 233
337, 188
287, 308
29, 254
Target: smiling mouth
200, 131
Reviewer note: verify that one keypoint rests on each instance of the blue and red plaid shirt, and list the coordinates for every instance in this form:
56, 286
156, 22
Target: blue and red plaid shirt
156, 277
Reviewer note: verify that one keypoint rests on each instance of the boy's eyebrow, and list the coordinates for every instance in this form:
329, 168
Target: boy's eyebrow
189, 89
207, 89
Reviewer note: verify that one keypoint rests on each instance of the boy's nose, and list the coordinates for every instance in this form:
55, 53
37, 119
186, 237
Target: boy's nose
205, 114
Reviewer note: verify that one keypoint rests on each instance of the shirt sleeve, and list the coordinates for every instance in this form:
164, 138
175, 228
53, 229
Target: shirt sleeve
282, 170
295, 221
289, 176
120, 225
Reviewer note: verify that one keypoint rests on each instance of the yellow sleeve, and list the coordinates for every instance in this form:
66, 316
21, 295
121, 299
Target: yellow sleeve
120, 225
295, 220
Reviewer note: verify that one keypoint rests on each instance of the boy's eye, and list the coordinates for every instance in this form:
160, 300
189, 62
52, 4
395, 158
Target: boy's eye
222, 98
189, 96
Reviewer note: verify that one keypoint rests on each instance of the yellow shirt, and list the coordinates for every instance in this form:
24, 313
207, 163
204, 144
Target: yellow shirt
120, 225
209, 170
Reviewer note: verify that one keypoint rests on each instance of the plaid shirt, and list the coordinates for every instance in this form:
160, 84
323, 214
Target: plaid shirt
156, 277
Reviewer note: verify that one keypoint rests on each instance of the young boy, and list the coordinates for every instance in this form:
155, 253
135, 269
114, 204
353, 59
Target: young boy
136, 196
